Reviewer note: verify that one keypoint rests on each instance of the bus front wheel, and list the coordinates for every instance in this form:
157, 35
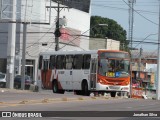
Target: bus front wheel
85, 89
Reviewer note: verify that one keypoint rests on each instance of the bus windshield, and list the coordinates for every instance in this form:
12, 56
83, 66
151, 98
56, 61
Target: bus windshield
114, 67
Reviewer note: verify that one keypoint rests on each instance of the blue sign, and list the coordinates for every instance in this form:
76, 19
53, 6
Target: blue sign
117, 74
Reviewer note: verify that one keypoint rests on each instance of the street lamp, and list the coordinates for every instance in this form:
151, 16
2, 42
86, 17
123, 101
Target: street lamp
97, 32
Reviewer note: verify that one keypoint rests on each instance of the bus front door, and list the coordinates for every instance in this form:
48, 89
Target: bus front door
93, 74
44, 73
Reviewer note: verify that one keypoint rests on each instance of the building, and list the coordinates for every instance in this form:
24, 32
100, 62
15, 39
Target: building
99, 43
40, 36
144, 71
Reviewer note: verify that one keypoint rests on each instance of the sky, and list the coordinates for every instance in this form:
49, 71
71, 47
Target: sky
146, 19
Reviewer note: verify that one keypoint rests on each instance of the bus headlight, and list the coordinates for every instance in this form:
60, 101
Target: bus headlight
126, 83
101, 81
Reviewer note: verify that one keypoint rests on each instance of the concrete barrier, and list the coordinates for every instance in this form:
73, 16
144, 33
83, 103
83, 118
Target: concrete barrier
34, 88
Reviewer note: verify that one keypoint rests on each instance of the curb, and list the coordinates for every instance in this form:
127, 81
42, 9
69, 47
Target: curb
2, 90
49, 100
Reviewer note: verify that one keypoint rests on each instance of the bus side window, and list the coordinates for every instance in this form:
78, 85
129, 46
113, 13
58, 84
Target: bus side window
60, 64
45, 65
78, 60
52, 63
86, 61
69, 61
40, 62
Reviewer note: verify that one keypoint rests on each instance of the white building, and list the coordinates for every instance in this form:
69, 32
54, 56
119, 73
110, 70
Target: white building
78, 22
152, 68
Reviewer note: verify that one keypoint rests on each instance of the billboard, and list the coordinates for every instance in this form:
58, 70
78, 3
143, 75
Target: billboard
70, 36
26, 11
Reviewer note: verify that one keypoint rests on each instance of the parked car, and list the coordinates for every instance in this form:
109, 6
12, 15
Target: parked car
18, 79
2, 80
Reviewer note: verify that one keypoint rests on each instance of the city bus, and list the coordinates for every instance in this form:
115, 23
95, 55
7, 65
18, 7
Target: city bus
104, 71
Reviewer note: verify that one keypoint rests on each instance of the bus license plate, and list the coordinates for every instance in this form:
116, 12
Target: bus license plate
111, 74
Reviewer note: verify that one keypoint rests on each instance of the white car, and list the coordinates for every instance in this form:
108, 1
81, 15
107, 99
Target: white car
2, 80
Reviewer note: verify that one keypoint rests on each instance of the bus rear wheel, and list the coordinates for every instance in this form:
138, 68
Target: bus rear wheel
113, 94
55, 87
61, 91
78, 92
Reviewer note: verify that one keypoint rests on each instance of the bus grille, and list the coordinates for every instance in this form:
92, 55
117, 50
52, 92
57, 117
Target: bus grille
117, 81
114, 87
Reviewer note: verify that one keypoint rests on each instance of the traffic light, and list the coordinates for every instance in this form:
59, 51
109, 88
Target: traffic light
57, 33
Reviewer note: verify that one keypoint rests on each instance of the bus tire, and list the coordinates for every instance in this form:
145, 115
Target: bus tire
61, 91
78, 92
85, 88
113, 94
55, 87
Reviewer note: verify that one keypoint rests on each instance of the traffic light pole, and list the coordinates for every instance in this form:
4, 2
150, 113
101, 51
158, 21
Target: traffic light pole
57, 32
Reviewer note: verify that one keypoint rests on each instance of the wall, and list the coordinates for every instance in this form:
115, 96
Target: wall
98, 43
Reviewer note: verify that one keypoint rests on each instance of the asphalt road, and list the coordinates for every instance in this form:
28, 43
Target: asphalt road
98, 107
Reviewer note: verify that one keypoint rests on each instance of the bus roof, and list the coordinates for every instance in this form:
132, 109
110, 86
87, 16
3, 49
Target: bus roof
78, 52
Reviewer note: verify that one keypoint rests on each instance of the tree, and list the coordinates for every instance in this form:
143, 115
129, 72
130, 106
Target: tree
112, 31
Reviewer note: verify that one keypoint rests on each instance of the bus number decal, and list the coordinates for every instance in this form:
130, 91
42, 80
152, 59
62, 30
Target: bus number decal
110, 74
60, 72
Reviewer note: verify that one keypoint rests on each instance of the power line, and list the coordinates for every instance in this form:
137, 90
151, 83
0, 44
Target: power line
140, 14
41, 37
146, 38
125, 9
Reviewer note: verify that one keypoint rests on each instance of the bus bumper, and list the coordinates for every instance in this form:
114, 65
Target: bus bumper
116, 88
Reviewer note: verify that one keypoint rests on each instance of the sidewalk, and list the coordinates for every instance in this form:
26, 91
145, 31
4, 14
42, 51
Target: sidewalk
151, 94
2, 90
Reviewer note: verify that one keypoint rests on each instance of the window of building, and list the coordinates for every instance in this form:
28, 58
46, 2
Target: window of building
52, 64
86, 61
78, 61
69, 61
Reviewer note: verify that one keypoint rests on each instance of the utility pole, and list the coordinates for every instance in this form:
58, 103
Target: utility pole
139, 64
24, 56
11, 47
24, 49
130, 33
57, 31
158, 63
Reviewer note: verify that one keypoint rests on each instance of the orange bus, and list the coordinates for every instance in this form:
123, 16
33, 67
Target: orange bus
85, 71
